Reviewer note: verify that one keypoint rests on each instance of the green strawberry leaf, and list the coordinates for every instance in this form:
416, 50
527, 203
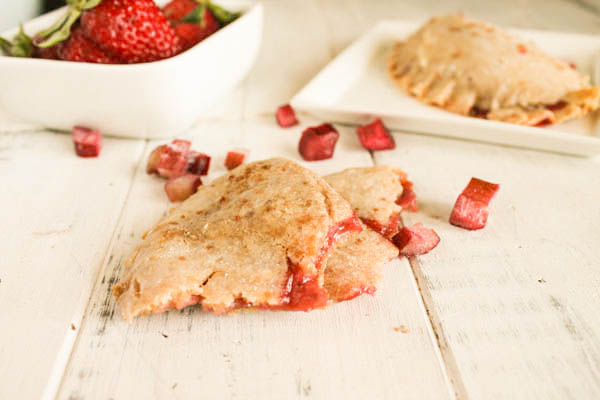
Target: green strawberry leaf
21, 45
222, 15
63, 32
5, 46
61, 29
83, 4
196, 16
89, 4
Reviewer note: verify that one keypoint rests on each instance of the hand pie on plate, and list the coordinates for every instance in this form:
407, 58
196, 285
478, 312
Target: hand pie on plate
474, 68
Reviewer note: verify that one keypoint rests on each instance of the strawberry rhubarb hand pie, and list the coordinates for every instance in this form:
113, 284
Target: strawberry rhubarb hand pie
263, 236
378, 195
477, 69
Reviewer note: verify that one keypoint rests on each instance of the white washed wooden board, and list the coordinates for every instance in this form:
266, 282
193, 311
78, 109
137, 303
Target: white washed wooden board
59, 213
46, 290
350, 350
515, 304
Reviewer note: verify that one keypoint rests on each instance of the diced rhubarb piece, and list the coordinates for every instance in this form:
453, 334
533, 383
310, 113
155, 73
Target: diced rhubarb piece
235, 158
318, 142
198, 163
375, 136
408, 198
471, 208
180, 188
286, 116
173, 159
416, 240
153, 159
88, 142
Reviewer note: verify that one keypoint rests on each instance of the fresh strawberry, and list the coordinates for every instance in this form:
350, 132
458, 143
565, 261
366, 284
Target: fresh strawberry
179, 189
49, 53
318, 142
471, 208
176, 10
79, 48
375, 136
134, 31
191, 34
88, 142
286, 116
416, 240
235, 158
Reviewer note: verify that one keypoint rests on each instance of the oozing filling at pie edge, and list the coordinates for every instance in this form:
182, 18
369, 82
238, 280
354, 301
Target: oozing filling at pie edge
301, 292
355, 292
482, 113
406, 199
385, 230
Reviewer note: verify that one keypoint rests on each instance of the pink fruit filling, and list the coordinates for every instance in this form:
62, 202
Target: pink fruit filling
318, 142
355, 292
388, 230
88, 142
302, 292
471, 208
416, 240
375, 136
408, 198
286, 116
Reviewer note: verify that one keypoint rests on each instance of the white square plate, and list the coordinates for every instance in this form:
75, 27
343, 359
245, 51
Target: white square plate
355, 87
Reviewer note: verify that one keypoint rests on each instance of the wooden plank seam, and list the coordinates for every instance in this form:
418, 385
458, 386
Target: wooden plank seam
53, 392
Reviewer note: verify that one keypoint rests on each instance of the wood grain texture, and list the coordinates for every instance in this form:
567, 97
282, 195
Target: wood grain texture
514, 304
352, 350
59, 213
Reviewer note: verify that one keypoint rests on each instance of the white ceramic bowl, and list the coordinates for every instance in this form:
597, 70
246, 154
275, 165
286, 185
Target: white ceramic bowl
151, 100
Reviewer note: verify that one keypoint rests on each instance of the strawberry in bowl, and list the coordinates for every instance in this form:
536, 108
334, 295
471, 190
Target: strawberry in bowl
139, 71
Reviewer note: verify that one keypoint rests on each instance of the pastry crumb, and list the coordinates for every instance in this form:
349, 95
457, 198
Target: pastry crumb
401, 328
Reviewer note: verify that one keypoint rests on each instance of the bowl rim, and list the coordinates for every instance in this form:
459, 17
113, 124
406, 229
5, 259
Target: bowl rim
247, 9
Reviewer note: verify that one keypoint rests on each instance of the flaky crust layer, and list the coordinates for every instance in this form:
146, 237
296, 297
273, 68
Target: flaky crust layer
474, 68
371, 191
354, 266
233, 242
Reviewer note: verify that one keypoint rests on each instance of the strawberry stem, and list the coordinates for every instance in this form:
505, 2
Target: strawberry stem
196, 16
61, 29
21, 45
63, 32
222, 15
56, 26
